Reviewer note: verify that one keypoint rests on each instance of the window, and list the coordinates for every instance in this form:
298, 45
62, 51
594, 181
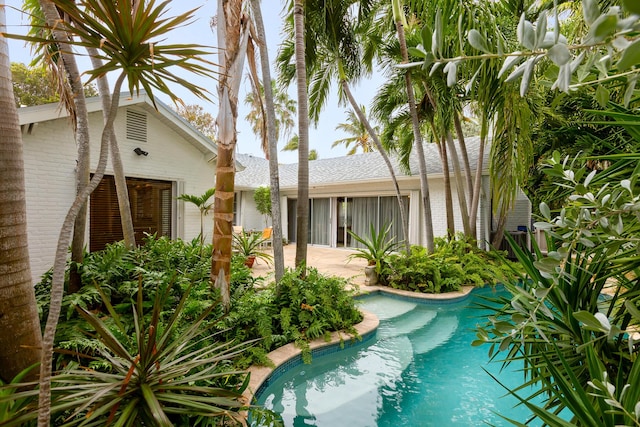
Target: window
151, 209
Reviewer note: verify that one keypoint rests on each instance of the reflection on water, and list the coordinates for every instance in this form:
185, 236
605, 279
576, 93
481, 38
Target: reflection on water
420, 370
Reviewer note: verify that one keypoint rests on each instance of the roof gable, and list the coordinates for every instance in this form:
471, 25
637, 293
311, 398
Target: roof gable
41, 113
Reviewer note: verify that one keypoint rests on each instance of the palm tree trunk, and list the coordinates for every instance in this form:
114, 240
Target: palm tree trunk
417, 136
467, 173
274, 177
374, 136
20, 339
460, 186
120, 179
477, 183
57, 281
464, 153
448, 195
232, 42
302, 214
81, 123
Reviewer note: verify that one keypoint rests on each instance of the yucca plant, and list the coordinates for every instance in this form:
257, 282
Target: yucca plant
572, 316
17, 396
161, 376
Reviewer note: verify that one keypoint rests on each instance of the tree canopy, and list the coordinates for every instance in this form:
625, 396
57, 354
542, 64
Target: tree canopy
32, 85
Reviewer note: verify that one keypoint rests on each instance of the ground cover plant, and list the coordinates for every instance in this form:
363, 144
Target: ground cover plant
147, 340
454, 263
300, 308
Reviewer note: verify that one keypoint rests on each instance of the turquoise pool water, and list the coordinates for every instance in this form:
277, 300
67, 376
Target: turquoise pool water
418, 370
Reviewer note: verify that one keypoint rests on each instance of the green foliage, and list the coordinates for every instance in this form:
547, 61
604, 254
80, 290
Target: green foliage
300, 309
36, 86
173, 277
115, 275
262, 197
249, 245
162, 372
15, 398
572, 314
453, 263
377, 247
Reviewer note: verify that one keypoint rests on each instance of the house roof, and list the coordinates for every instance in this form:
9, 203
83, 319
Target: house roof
41, 113
366, 167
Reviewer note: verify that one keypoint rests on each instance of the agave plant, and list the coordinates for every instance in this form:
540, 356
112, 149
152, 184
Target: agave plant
376, 248
249, 246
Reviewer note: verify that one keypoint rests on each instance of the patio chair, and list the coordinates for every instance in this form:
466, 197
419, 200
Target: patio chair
237, 229
267, 236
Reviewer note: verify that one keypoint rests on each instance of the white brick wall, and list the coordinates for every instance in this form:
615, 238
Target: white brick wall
50, 160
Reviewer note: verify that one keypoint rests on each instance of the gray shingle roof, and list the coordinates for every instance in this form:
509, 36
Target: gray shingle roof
356, 168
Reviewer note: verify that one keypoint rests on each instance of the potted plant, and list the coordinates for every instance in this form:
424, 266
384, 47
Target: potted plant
375, 250
248, 246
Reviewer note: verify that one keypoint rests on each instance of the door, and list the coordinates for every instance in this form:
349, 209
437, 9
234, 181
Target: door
150, 202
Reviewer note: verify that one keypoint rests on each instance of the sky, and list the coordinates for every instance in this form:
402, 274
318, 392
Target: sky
320, 138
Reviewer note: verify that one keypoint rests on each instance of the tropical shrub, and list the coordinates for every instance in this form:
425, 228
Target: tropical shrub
573, 313
262, 197
453, 263
301, 308
163, 373
115, 274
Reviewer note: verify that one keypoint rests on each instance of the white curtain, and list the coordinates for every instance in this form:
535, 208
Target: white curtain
390, 214
365, 213
320, 224
379, 211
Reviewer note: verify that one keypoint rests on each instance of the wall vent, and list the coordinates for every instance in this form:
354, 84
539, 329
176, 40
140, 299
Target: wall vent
136, 126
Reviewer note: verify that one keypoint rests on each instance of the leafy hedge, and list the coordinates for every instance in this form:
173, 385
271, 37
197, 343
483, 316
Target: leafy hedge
453, 263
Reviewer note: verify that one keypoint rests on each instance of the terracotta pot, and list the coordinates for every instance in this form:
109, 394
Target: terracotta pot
249, 261
371, 276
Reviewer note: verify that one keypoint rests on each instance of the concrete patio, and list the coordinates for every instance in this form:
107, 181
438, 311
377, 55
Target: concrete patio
329, 261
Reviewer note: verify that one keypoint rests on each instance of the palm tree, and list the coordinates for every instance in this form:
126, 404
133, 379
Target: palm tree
302, 208
203, 205
360, 138
44, 10
276, 119
73, 94
20, 339
400, 22
284, 110
232, 25
108, 27
336, 53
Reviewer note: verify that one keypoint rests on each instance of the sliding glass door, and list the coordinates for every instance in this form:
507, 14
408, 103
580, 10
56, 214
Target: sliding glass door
362, 212
320, 222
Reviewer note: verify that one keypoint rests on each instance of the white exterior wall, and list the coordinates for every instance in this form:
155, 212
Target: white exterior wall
50, 161
250, 219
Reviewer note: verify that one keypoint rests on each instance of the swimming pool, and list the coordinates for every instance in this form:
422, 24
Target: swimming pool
418, 370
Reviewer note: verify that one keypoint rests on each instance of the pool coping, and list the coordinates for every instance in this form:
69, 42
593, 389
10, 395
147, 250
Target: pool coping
258, 375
